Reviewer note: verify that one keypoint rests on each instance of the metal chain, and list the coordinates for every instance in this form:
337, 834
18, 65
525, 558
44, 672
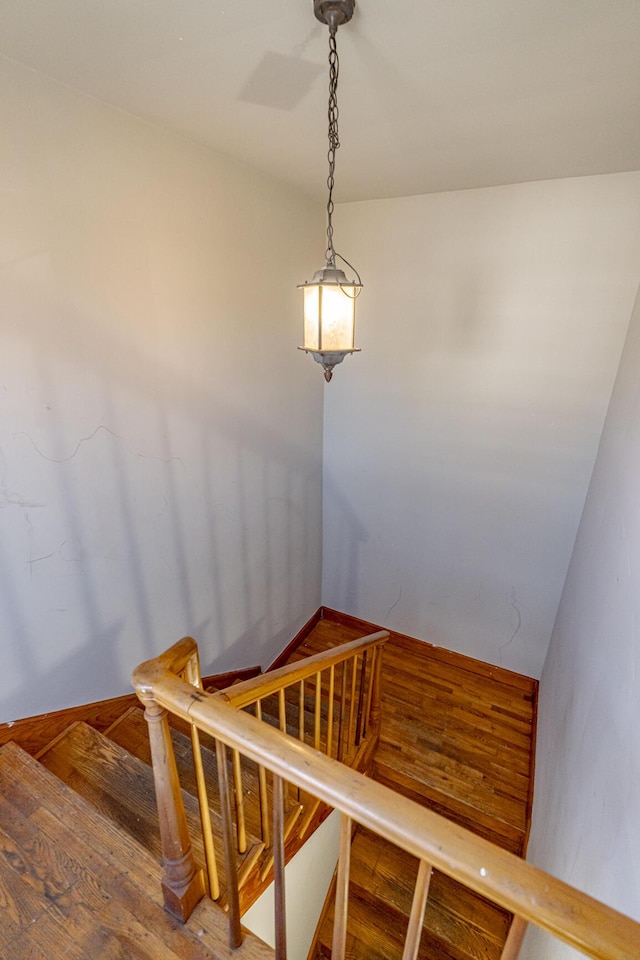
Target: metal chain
334, 142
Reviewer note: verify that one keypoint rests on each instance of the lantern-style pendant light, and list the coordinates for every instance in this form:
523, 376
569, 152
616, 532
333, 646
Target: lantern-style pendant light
330, 298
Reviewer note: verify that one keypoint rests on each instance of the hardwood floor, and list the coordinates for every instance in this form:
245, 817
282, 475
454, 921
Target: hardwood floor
458, 737
73, 885
79, 872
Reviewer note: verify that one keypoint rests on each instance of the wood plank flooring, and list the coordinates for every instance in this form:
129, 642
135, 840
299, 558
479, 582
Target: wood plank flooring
457, 736
451, 737
81, 881
73, 885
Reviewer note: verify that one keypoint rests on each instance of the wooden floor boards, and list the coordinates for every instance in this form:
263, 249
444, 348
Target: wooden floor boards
457, 736
450, 734
72, 885
83, 881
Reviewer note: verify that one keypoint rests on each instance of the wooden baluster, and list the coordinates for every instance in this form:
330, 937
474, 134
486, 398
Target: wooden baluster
301, 713
352, 703
363, 674
300, 726
343, 699
205, 816
192, 675
513, 943
367, 711
282, 710
332, 678
241, 829
264, 798
339, 943
278, 869
376, 696
231, 872
414, 930
318, 713
182, 881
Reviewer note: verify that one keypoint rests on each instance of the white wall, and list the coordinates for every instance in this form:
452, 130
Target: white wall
586, 828
459, 444
307, 879
160, 435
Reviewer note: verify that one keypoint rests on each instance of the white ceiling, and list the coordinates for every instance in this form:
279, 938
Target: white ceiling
434, 94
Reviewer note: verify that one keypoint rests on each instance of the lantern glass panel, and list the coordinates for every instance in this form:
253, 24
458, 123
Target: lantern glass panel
312, 316
338, 316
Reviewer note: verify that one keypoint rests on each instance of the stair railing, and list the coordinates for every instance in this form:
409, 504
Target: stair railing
531, 895
330, 700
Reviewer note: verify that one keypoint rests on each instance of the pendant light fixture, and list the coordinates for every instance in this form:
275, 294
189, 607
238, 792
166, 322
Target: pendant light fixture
330, 298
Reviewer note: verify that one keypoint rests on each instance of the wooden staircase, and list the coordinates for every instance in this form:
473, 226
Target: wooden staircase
108, 773
80, 873
456, 738
73, 884
112, 771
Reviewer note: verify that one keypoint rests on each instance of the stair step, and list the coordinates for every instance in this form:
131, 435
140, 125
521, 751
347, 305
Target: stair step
392, 773
458, 923
454, 915
120, 786
130, 732
379, 935
73, 885
301, 817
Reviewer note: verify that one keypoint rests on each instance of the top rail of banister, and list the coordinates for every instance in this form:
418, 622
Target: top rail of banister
172, 661
248, 691
586, 924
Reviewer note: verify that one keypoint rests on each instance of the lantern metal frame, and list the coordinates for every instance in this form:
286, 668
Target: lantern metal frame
330, 278
333, 13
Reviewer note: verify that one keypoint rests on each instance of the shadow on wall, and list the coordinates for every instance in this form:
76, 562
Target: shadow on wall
347, 535
139, 504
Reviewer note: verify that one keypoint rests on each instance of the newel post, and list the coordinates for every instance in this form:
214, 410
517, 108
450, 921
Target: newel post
182, 880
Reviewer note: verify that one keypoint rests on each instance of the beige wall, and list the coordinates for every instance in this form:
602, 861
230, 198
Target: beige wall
160, 436
585, 815
308, 876
459, 444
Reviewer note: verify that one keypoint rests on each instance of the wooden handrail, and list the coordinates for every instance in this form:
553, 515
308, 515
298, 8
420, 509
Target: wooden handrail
173, 661
532, 895
248, 691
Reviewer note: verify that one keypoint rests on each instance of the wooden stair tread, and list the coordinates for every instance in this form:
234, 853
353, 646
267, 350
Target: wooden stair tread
458, 925
120, 786
377, 934
468, 815
130, 733
73, 885
454, 915
455, 780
